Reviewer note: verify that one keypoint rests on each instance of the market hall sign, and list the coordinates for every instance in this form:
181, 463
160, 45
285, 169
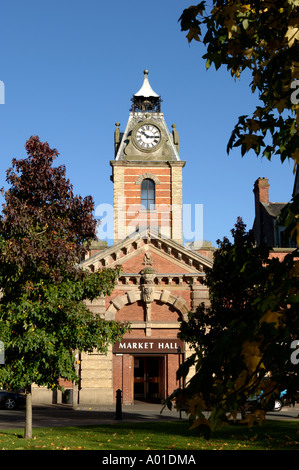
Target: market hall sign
165, 346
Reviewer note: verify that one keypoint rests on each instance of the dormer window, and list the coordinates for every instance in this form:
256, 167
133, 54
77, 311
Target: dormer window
148, 194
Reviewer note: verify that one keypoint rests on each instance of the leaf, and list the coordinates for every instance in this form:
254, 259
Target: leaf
194, 33
260, 416
196, 405
271, 317
281, 105
201, 421
245, 23
250, 140
295, 156
232, 26
208, 63
292, 35
249, 52
249, 418
252, 355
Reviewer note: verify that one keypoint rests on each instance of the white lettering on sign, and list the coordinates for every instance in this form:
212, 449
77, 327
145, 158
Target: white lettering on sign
151, 345
136, 345
167, 346
147, 345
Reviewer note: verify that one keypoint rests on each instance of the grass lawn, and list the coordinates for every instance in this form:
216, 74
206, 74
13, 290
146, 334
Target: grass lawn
164, 435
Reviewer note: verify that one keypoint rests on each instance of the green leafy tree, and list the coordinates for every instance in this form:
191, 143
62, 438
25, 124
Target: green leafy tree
44, 232
242, 341
232, 288
260, 37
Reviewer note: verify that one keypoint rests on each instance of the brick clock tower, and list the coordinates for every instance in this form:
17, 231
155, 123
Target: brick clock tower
147, 171
161, 279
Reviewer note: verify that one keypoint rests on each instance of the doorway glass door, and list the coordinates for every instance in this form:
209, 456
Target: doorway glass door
147, 378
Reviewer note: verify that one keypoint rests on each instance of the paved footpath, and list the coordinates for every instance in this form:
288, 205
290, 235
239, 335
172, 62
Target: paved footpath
66, 415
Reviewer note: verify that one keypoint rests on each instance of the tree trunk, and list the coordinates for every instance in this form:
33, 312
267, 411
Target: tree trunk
75, 384
28, 418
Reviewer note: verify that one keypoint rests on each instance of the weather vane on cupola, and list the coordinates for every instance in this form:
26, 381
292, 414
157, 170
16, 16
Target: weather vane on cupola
146, 99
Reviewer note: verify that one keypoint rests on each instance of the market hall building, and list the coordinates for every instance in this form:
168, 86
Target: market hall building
161, 279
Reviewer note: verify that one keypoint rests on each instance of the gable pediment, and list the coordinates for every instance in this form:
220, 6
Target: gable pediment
166, 256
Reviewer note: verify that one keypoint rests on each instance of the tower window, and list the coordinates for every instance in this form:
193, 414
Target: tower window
148, 194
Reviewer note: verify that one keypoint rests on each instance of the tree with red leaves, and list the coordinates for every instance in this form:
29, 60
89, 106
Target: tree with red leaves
44, 232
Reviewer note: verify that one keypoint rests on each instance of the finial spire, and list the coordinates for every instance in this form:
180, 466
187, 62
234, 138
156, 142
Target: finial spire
146, 90
146, 99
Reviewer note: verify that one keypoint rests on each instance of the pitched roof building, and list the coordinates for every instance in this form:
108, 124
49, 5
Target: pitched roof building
266, 227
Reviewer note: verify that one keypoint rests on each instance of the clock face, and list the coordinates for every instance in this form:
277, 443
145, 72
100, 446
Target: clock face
148, 136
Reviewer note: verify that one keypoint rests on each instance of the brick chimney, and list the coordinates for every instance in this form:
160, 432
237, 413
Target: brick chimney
261, 190
261, 195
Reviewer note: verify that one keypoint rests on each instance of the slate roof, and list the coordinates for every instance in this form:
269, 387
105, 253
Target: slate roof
274, 208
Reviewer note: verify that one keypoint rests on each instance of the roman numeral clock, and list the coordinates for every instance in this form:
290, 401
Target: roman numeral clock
147, 136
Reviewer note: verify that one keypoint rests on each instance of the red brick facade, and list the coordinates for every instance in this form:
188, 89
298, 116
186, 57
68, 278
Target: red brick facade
160, 217
175, 285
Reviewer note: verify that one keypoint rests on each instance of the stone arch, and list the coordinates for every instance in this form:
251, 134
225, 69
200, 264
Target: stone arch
132, 296
147, 175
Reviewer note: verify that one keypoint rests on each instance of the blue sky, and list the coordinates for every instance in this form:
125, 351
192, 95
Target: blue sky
70, 69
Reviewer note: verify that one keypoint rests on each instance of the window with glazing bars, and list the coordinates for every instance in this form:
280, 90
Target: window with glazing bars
148, 194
